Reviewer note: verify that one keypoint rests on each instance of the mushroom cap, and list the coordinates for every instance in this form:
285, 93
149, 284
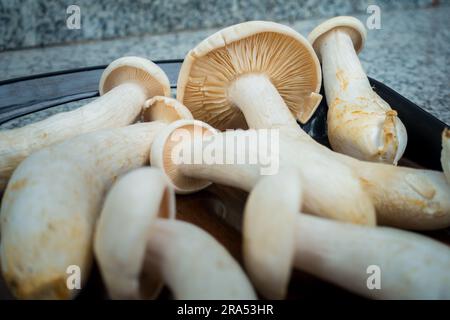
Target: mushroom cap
135, 70
351, 25
164, 109
161, 154
129, 210
272, 49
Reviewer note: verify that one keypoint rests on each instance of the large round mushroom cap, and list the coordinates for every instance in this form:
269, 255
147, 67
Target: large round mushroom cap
255, 47
354, 28
135, 70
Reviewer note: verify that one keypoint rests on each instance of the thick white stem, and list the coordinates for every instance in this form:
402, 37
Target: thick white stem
408, 265
259, 100
343, 73
243, 176
118, 107
193, 264
50, 206
360, 123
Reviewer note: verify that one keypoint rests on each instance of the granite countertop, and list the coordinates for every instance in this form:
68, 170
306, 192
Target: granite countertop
410, 53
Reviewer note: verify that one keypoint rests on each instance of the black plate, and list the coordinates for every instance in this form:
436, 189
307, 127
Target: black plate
22, 96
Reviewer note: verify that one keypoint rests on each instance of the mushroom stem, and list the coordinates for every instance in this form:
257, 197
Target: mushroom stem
139, 246
118, 107
124, 86
335, 193
411, 266
360, 123
260, 102
50, 206
340, 62
193, 264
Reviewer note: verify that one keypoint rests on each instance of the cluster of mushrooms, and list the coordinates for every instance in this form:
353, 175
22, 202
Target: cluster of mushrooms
77, 185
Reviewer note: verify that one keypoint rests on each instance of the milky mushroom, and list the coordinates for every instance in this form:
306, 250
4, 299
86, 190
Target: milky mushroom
52, 200
253, 65
360, 123
139, 246
124, 86
276, 238
336, 194
403, 197
445, 155
339, 187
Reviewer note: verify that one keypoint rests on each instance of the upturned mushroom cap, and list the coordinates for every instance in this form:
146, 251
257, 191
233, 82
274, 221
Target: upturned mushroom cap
161, 154
354, 28
130, 208
135, 70
255, 47
445, 156
164, 109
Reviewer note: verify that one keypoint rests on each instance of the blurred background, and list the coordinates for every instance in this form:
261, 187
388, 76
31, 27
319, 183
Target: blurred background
409, 49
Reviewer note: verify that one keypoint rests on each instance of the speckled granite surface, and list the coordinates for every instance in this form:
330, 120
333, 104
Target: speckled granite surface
28, 23
411, 54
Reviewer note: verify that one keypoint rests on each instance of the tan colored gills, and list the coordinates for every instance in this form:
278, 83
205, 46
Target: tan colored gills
124, 86
52, 201
338, 186
409, 266
140, 246
360, 123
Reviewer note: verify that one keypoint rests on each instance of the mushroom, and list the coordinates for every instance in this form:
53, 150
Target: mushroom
247, 67
276, 238
445, 155
124, 86
360, 123
337, 194
139, 246
52, 200
338, 185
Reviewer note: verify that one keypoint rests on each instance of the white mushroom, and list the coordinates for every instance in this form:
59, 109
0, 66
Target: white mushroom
248, 66
124, 86
276, 237
403, 197
336, 194
53, 198
360, 123
138, 250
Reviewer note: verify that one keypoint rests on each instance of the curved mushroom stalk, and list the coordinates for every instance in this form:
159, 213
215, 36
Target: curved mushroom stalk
269, 234
445, 155
409, 266
121, 233
138, 250
124, 86
360, 123
51, 203
193, 264
399, 197
335, 193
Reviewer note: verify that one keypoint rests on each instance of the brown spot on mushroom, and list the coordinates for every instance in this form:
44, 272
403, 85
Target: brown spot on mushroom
343, 81
19, 184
